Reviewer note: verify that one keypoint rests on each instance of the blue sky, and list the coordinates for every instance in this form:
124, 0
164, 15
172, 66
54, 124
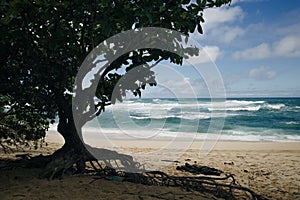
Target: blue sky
255, 44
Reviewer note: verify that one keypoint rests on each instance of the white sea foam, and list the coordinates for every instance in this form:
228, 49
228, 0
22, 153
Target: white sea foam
132, 134
181, 115
274, 106
249, 108
254, 106
291, 123
156, 117
241, 102
165, 105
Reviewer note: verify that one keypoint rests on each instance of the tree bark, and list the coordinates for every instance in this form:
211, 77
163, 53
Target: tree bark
73, 154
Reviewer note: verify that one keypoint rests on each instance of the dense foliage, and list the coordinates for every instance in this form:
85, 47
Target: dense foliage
44, 42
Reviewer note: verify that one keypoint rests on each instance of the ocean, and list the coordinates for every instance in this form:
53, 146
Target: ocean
241, 119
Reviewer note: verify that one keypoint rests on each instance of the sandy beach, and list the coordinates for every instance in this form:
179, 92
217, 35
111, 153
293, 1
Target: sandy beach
269, 168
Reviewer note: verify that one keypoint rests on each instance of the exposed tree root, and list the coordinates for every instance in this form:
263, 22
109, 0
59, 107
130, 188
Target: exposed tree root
8, 149
59, 164
69, 160
34, 162
5, 149
203, 184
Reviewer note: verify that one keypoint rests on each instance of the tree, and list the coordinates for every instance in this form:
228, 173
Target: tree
43, 44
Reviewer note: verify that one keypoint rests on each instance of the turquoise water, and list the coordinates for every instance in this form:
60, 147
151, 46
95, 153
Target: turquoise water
244, 119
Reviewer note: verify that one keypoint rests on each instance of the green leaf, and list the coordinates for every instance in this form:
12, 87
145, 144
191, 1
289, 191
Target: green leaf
149, 17
199, 28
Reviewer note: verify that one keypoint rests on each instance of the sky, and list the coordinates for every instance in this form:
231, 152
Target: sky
254, 44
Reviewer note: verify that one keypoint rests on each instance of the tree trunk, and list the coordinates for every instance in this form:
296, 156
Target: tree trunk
72, 155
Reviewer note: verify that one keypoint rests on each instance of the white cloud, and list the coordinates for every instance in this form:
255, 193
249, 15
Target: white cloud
171, 83
219, 24
206, 54
185, 83
216, 16
226, 34
191, 88
292, 29
288, 46
177, 88
259, 52
209, 53
231, 33
262, 73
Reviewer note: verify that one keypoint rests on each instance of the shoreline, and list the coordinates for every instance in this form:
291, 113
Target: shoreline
54, 137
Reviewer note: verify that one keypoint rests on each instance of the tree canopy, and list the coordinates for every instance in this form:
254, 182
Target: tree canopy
43, 43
